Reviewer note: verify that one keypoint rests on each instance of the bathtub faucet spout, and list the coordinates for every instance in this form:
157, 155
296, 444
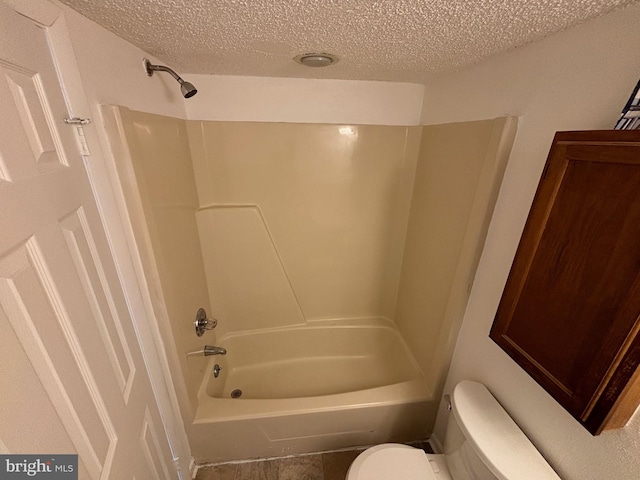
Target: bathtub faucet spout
211, 350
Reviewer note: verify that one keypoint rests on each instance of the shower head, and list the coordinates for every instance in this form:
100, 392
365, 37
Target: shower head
187, 89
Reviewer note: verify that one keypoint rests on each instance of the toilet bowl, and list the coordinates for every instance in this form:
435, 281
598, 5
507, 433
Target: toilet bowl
394, 461
482, 442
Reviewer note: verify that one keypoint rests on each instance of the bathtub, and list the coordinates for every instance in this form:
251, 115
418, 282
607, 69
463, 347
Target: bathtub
322, 386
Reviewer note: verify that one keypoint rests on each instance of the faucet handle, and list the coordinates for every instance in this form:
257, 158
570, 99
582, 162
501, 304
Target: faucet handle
203, 323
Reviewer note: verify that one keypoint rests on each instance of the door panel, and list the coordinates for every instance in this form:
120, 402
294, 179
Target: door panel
72, 375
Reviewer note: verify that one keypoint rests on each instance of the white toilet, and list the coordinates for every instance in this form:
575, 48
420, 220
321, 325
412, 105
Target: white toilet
482, 443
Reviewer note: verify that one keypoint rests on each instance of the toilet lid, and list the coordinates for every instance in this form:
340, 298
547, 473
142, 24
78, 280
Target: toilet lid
391, 461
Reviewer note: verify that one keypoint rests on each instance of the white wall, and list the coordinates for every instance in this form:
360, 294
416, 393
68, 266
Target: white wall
577, 79
264, 99
113, 74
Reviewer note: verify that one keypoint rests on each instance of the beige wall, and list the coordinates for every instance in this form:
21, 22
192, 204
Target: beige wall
302, 221
577, 79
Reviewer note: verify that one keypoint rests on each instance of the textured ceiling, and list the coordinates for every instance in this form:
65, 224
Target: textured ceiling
393, 40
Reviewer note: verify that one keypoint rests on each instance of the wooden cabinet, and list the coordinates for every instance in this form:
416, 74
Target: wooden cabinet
569, 314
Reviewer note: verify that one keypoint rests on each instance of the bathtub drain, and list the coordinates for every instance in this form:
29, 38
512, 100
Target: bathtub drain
236, 393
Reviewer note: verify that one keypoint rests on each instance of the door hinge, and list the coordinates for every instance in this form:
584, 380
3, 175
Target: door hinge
76, 121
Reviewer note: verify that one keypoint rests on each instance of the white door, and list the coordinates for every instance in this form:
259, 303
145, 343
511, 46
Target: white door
72, 377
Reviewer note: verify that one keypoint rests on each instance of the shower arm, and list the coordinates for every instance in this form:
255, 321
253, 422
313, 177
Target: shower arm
161, 68
187, 88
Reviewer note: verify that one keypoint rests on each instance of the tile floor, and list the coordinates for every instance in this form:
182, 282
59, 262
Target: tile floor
321, 466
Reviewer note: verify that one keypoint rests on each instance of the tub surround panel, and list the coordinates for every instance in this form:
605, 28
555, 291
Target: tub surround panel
161, 192
199, 155
394, 260
248, 284
333, 197
305, 240
457, 179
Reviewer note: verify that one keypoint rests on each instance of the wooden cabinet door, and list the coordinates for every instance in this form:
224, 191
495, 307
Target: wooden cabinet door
569, 314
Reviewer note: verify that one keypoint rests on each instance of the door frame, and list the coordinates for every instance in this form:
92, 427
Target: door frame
119, 233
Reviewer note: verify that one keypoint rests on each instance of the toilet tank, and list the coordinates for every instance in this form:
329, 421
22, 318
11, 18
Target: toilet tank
484, 443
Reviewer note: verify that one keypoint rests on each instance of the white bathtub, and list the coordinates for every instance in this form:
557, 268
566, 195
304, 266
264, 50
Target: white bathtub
318, 387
